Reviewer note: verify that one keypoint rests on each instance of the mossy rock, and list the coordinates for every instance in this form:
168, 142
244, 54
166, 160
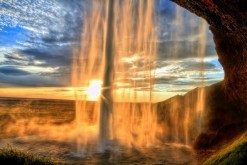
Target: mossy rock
234, 154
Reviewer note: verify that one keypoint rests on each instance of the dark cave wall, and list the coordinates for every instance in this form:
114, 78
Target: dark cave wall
228, 23
232, 51
226, 15
226, 111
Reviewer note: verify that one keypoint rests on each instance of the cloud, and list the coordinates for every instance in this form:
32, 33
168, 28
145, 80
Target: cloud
49, 30
171, 75
45, 24
31, 80
7, 70
40, 16
51, 57
188, 73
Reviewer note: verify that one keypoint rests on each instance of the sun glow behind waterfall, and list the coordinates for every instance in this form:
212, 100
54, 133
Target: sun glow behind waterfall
94, 90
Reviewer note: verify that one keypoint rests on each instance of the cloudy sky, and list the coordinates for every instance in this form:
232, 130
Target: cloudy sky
37, 38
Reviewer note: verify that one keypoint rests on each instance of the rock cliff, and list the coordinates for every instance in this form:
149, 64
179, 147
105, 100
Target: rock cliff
228, 23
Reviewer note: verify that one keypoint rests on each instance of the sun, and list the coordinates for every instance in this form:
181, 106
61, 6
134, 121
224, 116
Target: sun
94, 89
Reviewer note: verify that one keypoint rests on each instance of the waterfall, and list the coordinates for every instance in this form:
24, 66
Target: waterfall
183, 115
106, 101
113, 77
118, 49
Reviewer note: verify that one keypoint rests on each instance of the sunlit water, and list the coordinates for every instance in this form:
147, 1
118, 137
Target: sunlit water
118, 48
123, 131
119, 45
47, 128
66, 152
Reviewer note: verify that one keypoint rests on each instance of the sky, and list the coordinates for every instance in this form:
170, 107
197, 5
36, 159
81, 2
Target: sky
37, 38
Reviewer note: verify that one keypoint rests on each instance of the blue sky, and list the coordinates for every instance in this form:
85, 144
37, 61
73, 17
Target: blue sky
12, 36
37, 38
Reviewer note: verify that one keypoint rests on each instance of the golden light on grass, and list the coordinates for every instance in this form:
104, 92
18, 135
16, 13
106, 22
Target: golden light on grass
94, 89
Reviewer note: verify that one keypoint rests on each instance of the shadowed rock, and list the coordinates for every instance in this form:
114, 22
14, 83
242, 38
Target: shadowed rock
227, 102
226, 15
228, 22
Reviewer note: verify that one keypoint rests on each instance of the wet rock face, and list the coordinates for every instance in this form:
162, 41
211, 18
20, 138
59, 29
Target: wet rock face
227, 102
228, 22
227, 15
224, 119
232, 51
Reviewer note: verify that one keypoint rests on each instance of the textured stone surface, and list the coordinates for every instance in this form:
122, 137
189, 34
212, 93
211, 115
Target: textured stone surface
227, 15
224, 119
232, 51
228, 22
